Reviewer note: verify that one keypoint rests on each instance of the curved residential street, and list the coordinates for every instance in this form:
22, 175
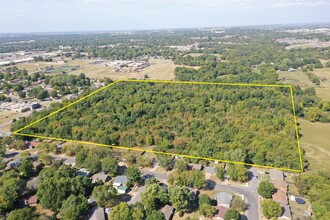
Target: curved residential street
250, 192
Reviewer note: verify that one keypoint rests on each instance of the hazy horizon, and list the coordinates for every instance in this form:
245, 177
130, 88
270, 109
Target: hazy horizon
32, 16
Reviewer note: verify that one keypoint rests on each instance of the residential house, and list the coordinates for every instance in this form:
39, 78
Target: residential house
69, 161
101, 176
276, 174
224, 199
30, 200
280, 196
83, 172
193, 166
121, 189
14, 164
210, 170
34, 144
280, 185
119, 182
286, 214
97, 214
168, 212
220, 213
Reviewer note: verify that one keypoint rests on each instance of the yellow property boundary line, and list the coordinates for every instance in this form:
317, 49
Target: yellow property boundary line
17, 132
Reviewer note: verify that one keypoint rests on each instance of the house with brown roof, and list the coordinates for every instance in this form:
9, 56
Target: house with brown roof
280, 184
30, 200
280, 196
220, 213
168, 211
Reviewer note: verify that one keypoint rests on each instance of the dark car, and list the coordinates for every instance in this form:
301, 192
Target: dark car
300, 201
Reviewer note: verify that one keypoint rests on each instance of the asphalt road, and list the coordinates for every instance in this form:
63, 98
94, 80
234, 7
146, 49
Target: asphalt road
250, 192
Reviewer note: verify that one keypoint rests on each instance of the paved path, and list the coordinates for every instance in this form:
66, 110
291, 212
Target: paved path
250, 192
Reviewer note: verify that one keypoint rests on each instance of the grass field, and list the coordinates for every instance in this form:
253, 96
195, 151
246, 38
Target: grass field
297, 78
315, 141
6, 116
323, 91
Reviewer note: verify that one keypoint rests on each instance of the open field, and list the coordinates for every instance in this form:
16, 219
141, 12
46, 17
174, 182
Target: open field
323, 91
159, 69
297, 78
315, 141
6, 116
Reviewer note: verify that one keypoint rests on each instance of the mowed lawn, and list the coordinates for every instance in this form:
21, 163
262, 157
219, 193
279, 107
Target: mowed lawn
315, 141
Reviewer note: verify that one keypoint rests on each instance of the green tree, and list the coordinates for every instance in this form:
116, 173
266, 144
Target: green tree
181, 166
26, 168
204, 199
133, 175
74, 207
153, 196
165, 161
93, 164
238, 204
121, 211
110, 166
22, 94
206, 210
271, 209
266, 189
53, 93
220, 173
237, 173
232, 214
179, 197
313, 114
26, 213
155, 215
104, 195
9, 191
42, 94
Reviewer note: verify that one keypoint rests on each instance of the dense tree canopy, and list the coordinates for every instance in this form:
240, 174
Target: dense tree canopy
248, 124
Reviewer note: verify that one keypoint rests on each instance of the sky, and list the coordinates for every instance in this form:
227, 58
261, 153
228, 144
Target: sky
109, 15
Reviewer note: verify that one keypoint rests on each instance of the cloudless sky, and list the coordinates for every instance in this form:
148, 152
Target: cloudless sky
98, 15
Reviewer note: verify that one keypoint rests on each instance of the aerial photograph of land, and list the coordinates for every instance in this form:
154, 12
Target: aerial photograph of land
164, 110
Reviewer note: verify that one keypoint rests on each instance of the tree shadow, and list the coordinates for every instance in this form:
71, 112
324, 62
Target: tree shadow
210, 184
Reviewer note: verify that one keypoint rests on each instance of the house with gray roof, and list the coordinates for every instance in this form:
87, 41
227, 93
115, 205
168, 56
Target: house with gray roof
14, 164
83, 172
120, 180
97, 214
210, 170
100, 176
224, 199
